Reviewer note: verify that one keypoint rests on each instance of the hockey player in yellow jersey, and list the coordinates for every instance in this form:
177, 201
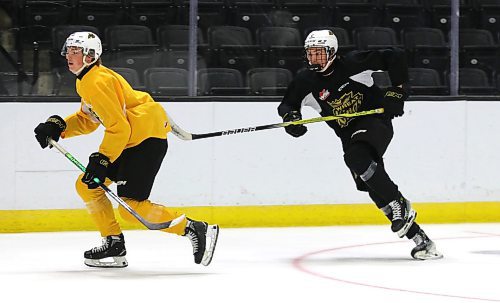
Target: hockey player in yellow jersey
130, 154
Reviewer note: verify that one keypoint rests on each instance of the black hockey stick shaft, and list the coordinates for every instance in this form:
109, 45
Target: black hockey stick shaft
150, 225
179, 132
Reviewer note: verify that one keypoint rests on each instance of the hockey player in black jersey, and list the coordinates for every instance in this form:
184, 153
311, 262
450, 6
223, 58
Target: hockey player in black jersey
334, 85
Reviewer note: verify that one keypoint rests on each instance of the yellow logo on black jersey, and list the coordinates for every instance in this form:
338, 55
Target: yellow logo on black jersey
348, 103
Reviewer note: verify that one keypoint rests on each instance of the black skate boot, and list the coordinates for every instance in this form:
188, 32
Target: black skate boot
402, 217
203, 238
425, 249
112, 247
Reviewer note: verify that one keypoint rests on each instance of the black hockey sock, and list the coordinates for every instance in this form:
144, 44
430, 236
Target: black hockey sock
381, 204
377, 199
414, 229
382, 185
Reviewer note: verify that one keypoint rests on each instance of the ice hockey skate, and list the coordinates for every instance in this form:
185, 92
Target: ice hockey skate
203, 238
110, 254
425, 249
403, 216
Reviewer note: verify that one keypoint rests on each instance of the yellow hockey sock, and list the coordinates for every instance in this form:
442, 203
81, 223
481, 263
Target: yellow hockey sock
99, 208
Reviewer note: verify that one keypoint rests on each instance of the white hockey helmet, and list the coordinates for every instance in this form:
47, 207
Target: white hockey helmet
89, 43
322, 38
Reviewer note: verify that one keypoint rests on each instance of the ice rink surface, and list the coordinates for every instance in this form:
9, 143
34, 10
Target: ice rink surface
317, 264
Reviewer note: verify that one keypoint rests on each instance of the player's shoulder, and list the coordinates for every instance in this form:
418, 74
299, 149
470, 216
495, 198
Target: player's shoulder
304, 72
305, 75
104, 74
361, 55
356, 56
97, 78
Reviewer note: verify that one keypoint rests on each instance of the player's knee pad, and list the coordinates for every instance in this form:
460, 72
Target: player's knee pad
360, 161
360, 184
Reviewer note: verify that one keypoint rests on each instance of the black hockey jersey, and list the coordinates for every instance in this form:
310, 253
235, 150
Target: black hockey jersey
347, 86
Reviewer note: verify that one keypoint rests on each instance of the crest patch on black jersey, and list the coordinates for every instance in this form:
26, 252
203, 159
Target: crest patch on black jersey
348, 103
324, 94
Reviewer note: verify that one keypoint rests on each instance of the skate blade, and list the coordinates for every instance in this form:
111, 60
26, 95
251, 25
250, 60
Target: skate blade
411, 218
433, 255
212, 235
117, 262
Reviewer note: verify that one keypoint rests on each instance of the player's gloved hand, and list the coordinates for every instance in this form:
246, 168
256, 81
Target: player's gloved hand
52, 128
294, 130
394, 100
97, 168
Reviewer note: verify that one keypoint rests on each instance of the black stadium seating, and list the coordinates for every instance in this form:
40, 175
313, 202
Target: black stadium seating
220, 81
427, 47
426, 81
166, 80
268, 81
255, 38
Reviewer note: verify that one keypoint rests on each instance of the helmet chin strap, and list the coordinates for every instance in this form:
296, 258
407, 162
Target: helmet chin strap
85, 64
327, 65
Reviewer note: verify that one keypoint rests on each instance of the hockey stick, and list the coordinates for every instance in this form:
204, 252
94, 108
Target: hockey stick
150, 225
184, 135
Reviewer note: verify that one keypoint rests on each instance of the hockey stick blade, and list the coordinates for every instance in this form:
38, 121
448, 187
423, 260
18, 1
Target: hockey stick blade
184, 135
149, 225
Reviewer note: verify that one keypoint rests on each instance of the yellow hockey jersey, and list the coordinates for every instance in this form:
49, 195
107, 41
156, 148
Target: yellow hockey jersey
128, 116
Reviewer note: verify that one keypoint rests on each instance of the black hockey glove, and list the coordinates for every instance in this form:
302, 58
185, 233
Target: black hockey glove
97, 168
52, 128
394, 100
294, 130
